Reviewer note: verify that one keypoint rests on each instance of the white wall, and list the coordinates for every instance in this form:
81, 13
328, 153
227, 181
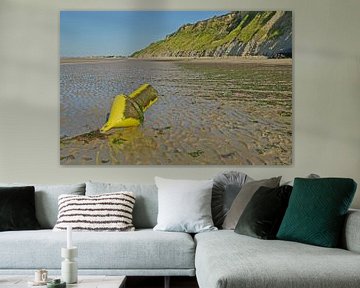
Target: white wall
326, 91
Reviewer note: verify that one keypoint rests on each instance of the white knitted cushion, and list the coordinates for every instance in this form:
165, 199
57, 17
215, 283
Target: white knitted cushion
105, 212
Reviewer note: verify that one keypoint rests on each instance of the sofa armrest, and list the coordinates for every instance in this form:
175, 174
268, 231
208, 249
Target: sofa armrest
351, 234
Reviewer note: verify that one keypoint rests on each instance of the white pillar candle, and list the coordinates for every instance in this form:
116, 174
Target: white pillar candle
69, 237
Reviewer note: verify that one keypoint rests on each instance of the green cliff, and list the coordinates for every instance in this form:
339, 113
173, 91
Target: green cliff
250, 33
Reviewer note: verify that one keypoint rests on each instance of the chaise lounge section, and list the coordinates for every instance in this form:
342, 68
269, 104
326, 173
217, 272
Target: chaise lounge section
225, 259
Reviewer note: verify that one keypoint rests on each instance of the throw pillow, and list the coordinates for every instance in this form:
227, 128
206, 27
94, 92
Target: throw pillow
106, 212
17, 209
317, 209
184, 205
263, 215
243, 198
226, 187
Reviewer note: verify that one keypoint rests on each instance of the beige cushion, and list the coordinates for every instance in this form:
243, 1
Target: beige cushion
243, 198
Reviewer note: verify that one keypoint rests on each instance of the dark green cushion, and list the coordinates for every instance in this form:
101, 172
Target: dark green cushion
263, 214
17, 208
316, 211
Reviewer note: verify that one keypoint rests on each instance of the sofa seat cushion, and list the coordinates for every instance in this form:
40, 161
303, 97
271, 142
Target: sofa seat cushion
225, 259
142, 249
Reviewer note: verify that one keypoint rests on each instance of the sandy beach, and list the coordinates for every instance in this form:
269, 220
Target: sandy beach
231, 111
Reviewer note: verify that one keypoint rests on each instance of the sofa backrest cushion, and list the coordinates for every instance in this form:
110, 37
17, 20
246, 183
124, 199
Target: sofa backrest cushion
350, 239
46, 200
146, 204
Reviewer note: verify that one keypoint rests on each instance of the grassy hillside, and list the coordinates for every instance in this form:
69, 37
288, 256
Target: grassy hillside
265, 33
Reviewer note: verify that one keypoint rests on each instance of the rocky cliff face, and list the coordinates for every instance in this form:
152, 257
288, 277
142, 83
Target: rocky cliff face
250, 33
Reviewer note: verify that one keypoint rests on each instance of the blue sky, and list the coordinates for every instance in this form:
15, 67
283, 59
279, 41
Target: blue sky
95, 33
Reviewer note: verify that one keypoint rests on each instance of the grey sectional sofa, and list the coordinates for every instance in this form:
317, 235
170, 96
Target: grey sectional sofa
218, 259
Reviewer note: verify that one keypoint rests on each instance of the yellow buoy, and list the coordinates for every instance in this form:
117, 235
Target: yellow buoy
128, 111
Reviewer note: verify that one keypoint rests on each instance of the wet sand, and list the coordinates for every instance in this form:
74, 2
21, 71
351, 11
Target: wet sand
209, 112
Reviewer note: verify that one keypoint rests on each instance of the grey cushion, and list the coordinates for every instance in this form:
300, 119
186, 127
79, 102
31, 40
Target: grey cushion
184, 205
310, 176
243, 198
351, 231
46, 200
226, 187
144, 249
146, 204
225, 259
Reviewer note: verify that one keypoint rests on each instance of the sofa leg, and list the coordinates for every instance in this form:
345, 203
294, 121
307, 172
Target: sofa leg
167, 282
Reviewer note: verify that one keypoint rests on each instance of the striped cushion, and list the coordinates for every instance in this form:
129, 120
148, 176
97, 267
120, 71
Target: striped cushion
105, 212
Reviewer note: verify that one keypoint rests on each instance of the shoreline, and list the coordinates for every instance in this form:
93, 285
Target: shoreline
227, 59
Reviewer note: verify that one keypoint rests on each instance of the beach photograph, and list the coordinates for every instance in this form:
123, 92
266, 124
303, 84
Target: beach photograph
176, 88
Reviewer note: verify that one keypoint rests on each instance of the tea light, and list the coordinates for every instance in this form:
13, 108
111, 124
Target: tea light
69, 237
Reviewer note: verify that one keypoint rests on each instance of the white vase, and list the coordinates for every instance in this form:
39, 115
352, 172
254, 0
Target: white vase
69, 271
